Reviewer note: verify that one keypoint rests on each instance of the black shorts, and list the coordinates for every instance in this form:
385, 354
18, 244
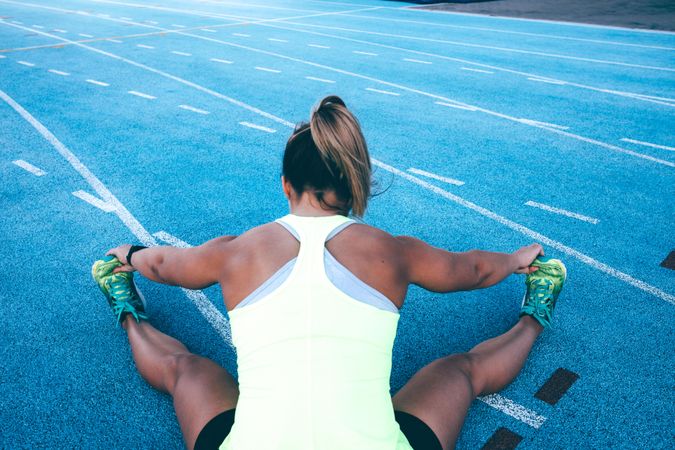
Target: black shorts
417, 432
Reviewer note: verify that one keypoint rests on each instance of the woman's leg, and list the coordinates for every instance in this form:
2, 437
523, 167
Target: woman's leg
441, 392
200, 388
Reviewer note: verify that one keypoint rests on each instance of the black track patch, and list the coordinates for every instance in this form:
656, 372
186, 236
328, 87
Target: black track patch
669, 262
556, 386
503, 439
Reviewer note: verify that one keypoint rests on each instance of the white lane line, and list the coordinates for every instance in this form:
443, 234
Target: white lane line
209, 30
177, 26
656, 292
16, 22
547, 80
26, 63
379, 91
241, 35
418, 61
562, 212
85, 35
436, 177
58, 72
116, 41
358, 52
106, 16
277, 40
96, 82
648, 144
126, 18
222, 61
471, 69
457, 105
149, 47
59, 30
180, 53
317, 46
323, 80
39, 27
171, 240
257, 127
2, 56
93, 201
193, 109
513, 409
265, 69
142, 95
30, 168
203, 304
152, 22
543, 124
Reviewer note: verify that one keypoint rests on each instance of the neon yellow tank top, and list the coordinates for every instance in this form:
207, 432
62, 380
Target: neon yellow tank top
313, 363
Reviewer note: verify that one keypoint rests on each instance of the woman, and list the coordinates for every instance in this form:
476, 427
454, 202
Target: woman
313, 300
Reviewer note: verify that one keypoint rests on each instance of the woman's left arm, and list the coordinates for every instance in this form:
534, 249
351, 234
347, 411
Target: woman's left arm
191, 268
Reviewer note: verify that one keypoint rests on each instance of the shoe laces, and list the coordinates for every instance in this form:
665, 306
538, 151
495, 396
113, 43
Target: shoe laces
541, 297
123, 299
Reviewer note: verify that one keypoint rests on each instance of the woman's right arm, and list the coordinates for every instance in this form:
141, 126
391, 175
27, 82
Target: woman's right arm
439, 270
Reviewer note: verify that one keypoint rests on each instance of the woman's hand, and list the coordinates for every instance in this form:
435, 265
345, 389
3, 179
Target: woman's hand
524, 257
121, 254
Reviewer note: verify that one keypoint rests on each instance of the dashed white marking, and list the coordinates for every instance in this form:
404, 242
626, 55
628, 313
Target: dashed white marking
418, 61
103, 15
58, 72
562, 212
379, 91
543, 124
177, 26
257, 127
265, 69
209, 30
193, 109
277, 40
26, 63
96, 82
149, 47
648, 144
241, 35
436, 177
513, 409
358, 52
39, 27
317, 46
457, 105
116, 41
471, 69
16, 22
152, 22
222, 61
2, 56
94, 201
126, 18
171, 240
59, 30
547, 80
142, 95
181, 53
323, 80
30, 168
85, 35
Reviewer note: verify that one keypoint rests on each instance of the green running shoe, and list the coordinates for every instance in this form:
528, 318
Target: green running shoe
543, 288
119, 289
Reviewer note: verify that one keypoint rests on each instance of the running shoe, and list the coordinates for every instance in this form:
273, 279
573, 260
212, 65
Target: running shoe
543, 288
119, 289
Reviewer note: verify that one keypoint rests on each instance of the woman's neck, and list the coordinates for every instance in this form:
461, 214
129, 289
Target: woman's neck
308, 205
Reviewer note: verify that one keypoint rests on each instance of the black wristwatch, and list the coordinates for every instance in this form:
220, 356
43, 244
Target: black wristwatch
132, 250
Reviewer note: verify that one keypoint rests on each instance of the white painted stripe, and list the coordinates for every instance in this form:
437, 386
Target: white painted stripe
317, 46
241, 35
435, 177
116, 41
546, 80
2, 56
126, 18
513, 409
85, 35
16, 22
39, 27
203, 304
470, 69
26, 63
265, 69
257, 127
543, 124
532, 234
96, 82
177, 26
323, 80
223, 61
181, 53
59, 30
149, 47
457, 105
277, 40
171, 240
93, 201
209, 30
562, 212
142, 95
152, 22
193, 109
30, 168
418, 61
648, 144
58, 72
358, 52
103, 15
383, 92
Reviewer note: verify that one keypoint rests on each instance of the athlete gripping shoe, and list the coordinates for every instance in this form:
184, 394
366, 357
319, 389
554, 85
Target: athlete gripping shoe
119, 289
543, 287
